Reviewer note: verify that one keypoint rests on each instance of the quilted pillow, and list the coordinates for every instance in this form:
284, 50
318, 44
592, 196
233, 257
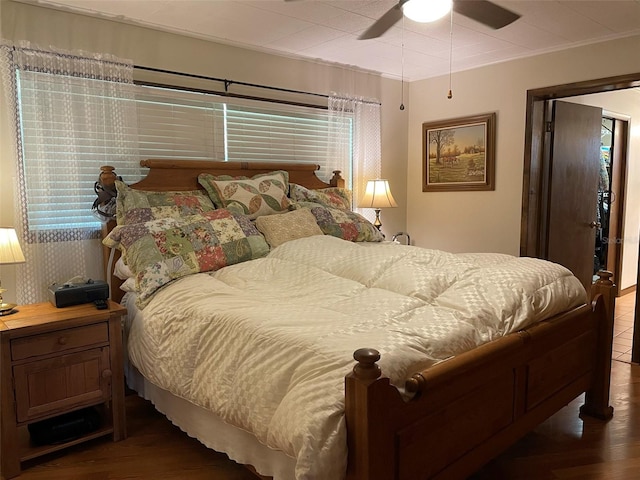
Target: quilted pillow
138, 206
262, 194
343, 224
165, 249
335, 197
278, 229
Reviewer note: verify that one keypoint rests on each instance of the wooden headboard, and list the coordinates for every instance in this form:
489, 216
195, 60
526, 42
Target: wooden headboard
183, 174
178, 175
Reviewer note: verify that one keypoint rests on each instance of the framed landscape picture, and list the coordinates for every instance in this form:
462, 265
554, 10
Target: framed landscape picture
459, 154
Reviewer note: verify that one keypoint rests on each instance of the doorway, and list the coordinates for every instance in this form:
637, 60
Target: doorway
611, 195
535, 204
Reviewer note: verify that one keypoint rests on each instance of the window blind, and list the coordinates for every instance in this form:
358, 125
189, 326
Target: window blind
70, 126
281, 134
179, 125
62, 159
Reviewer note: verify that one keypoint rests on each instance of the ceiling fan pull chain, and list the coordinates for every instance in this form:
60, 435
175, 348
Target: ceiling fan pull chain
402, 69
450, 94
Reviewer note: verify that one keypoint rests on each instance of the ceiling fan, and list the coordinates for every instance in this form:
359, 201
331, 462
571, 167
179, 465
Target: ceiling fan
483, 11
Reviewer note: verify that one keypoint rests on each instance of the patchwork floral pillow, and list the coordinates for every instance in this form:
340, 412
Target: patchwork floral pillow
279, 229
343, 224
263, 194
166, 249
329, 197
138, 206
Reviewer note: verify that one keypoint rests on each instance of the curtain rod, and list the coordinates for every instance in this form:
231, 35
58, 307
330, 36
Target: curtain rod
79, 56
228, 83
229, 94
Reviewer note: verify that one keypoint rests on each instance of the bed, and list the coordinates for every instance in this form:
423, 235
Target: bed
408, 403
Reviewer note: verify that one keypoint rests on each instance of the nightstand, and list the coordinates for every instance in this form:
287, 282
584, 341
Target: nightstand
55, 361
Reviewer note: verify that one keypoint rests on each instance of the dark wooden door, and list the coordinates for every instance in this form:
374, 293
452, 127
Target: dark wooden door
573, 187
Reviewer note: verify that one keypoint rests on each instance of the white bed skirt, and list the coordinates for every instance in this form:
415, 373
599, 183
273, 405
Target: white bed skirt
205, 426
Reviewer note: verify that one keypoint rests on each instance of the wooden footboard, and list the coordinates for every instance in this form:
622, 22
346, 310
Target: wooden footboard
466, 410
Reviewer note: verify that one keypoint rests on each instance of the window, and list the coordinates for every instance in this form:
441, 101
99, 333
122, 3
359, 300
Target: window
69, 127
255, 133
173, 124
178, 124
62, 158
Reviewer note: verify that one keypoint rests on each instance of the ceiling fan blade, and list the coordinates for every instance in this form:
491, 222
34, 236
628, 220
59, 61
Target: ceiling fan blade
384, 23
485, 12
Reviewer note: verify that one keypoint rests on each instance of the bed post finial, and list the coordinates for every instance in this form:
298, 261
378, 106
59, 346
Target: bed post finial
107, 176
337, 180
605, 286
366, 368
415, 384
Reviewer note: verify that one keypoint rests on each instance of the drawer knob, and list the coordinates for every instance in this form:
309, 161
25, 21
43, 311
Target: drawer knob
106, 374
62, 340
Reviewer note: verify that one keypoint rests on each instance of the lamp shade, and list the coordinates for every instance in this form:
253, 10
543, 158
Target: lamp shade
377, 195
426, 10
10, 251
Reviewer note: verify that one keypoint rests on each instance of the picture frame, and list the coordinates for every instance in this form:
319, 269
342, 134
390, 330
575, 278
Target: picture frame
459, 154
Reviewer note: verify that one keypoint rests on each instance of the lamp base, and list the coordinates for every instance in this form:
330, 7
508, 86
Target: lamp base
377, 223
7, 308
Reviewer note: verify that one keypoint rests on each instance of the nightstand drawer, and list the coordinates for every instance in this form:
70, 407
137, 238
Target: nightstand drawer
59, 341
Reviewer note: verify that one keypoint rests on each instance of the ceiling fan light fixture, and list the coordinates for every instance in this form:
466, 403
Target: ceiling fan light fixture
424, 11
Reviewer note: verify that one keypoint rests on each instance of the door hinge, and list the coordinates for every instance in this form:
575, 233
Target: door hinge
548, 127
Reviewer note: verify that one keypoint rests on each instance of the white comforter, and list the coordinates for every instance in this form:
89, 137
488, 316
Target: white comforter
266, 344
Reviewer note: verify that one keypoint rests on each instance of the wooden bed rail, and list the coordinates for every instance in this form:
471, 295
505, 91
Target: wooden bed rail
468, 409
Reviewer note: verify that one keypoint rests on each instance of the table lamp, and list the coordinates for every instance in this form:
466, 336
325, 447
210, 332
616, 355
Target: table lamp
377, 195
10, 253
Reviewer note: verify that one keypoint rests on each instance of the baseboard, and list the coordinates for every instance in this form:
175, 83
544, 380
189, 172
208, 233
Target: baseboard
624, 291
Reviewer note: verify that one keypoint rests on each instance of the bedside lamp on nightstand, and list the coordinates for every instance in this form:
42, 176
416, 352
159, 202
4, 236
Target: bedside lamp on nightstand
377, 195
10, 253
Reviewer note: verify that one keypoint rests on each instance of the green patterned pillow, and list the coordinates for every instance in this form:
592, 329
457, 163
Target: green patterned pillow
166, 249
343, 224
138, 206
263, 194
335, 197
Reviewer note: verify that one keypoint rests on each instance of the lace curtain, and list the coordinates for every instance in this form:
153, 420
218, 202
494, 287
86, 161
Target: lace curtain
365, 147
78, 116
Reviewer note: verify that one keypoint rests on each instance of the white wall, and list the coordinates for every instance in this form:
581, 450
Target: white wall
44, 27
490, 221
627, 104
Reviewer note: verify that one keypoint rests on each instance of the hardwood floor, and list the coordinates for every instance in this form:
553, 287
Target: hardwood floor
154, 450
567, 447
563, 447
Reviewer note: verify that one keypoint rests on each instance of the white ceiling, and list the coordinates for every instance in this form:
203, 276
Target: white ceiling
328, 30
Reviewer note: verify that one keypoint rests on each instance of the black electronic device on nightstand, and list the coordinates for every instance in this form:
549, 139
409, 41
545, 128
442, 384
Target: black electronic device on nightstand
66, 294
